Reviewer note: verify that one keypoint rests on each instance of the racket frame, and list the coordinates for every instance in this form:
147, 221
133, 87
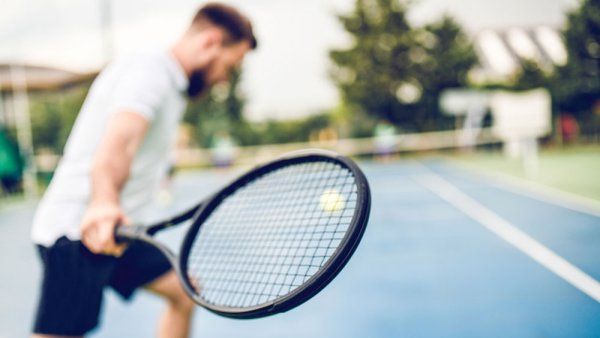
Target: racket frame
200, 213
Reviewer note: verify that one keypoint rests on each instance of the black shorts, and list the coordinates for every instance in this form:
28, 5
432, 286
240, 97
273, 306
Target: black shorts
74, 280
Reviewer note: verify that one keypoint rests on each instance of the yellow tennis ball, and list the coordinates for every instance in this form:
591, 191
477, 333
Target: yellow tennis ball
332, 201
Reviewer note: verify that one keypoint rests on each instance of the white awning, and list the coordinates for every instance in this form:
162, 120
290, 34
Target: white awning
495, 54
552, 43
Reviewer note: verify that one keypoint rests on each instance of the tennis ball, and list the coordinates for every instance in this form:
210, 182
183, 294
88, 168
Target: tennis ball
332, 201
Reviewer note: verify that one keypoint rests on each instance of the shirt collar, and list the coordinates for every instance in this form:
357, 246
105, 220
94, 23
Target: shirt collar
179, 76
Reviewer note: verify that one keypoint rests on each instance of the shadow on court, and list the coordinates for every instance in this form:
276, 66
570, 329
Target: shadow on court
425, 268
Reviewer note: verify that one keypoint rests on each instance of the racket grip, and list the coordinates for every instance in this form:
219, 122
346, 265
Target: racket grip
128, 233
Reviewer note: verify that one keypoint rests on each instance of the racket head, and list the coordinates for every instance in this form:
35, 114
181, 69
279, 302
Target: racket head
239, 279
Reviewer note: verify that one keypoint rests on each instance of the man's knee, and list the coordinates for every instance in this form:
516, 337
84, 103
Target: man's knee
169, 287
180, 300
184, 303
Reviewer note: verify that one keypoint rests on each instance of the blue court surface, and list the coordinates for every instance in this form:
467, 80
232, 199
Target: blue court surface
447, 253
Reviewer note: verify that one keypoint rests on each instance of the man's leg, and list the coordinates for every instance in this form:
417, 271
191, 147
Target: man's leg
177, 318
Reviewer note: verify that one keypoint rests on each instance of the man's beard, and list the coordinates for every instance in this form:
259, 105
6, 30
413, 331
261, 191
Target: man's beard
198, 85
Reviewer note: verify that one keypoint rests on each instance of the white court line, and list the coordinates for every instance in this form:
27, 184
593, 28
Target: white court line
511, 234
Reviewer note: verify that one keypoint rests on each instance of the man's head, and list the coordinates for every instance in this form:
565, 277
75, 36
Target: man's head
214, 45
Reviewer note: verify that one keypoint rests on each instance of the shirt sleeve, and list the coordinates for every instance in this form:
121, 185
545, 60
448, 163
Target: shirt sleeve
141, 89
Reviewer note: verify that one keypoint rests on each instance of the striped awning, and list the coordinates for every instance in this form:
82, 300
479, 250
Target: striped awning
502, 52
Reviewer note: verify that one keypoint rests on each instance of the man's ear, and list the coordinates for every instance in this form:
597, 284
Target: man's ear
209, 45
213, 38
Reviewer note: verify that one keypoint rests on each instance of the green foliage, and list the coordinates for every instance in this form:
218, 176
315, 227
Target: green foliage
396, 72
291, 130
207, 118
219, 111
53, 116
449, 57
352, 122
369, 72
530, 76
577, 84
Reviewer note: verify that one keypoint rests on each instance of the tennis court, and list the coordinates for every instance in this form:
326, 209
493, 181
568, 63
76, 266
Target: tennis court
447, 252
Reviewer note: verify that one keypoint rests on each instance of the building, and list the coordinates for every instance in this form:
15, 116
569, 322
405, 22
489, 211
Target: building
31, 79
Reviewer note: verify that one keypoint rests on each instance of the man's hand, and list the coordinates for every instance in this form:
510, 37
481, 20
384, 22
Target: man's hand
98, 227
112, 161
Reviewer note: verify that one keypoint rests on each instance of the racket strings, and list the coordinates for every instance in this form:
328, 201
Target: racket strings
273, 234
274, 284
242, 270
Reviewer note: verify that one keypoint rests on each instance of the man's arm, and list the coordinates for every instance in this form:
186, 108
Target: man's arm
110, 170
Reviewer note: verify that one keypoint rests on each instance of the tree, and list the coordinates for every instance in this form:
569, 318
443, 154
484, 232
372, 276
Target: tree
577, 84
370, 72
220, 110
395, 72
448, 56
530, 76
53, 116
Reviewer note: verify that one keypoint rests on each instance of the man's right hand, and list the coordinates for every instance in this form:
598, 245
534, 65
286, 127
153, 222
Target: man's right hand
98, 227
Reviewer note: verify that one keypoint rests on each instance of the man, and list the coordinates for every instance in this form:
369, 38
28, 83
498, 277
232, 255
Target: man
114, 161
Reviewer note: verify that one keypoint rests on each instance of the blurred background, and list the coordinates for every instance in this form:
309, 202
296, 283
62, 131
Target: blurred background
495, 103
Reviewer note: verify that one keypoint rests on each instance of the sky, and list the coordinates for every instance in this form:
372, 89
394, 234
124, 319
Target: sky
286, 77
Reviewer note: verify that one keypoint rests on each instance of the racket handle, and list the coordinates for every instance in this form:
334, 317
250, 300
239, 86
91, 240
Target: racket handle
128, 233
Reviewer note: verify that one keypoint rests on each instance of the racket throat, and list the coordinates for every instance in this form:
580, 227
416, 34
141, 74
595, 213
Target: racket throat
129, 233
133, 233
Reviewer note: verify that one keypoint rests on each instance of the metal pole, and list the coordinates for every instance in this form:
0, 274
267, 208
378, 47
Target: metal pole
106, 26
23, 124
2, 110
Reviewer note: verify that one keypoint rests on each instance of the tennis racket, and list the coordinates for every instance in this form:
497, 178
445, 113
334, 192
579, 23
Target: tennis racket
271, 239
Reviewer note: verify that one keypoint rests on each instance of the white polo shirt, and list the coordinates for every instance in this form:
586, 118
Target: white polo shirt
152, 84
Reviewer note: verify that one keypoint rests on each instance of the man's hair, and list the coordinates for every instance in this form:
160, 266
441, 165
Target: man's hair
236, 26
